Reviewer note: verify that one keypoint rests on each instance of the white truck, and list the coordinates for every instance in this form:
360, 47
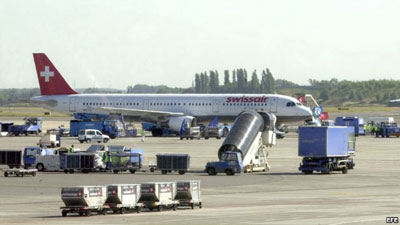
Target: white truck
51, 161
50, 141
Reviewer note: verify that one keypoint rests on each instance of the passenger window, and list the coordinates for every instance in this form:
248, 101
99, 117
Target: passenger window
98, 133
290, 104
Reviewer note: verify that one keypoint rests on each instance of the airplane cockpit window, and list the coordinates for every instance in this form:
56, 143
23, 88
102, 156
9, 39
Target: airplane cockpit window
290, 104
298, 103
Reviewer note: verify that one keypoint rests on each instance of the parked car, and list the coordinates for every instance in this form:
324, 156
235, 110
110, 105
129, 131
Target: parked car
89, 135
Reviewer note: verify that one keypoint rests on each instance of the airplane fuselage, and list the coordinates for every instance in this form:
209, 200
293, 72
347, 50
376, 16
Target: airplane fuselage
203, 107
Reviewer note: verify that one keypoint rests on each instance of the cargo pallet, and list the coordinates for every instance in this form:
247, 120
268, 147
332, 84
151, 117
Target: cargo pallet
326, 165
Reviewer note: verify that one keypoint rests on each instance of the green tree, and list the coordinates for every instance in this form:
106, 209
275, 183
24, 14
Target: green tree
324, 95
226, 77
254, 83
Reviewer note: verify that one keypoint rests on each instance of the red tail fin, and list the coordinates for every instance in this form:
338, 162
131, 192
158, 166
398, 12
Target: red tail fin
50, 80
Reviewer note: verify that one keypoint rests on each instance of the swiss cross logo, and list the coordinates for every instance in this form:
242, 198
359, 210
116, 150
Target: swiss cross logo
47, 74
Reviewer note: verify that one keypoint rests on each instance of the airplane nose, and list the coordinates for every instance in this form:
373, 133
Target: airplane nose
307, 112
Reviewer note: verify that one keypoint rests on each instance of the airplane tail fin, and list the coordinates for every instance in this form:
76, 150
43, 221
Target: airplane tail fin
50, 80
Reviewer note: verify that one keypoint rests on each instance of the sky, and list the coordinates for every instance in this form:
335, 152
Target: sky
116, 43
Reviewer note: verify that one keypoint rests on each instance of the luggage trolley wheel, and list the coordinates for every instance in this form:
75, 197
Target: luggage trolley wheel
122, 210
138, 209
200, 205
192, 205
6, 174
159, 208
88, 213
345, 170
174, 207
64, 213
103, 212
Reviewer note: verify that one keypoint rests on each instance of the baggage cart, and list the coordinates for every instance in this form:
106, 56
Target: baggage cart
122, 198
158, 195
121, 162
84, 162
19, 172
173, 162
84, 200
11, 158
188, 193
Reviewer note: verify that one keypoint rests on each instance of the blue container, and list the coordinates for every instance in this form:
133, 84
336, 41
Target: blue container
356, 122
320, 142
76, 125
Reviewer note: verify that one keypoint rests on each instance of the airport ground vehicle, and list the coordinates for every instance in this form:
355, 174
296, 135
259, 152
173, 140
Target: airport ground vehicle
327, 123
229, 163
90, 135
122, 198
208, 132
84, 200
84, 162
326, 149
19, 172
158, 195
251, 134
356, 122
31, 126
109, 127
388, 130
5, 128
13, 159
173, 162
45, 159
50, 140
188, 193
158, 132
125, 161
190, 132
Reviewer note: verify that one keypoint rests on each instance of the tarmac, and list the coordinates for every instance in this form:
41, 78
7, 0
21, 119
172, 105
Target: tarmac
366, 195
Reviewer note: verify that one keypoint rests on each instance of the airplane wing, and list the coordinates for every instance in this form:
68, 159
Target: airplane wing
156, 115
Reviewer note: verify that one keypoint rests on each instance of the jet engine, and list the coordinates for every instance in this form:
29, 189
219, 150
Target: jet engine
175, 123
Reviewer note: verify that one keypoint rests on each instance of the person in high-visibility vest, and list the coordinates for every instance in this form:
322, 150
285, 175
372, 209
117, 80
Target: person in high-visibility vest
71, 149
107, 160
143, 134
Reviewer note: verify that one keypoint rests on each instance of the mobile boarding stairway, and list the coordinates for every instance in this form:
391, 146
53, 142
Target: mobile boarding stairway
251, 134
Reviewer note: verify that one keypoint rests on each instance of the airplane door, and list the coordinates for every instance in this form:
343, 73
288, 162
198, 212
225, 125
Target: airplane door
273, 106
215, 106
72, 104
145, 104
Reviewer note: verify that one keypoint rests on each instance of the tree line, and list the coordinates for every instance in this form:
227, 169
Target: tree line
237, 81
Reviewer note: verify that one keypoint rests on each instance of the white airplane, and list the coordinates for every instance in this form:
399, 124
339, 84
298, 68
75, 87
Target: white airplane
166, 110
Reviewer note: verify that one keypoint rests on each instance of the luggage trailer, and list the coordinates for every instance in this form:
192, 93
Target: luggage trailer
158, 195
122, 198
188, 193
84, 200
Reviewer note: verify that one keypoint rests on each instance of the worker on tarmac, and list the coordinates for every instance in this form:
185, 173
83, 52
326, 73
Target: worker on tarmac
107, 160
71, 149
143, 134
368, 129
